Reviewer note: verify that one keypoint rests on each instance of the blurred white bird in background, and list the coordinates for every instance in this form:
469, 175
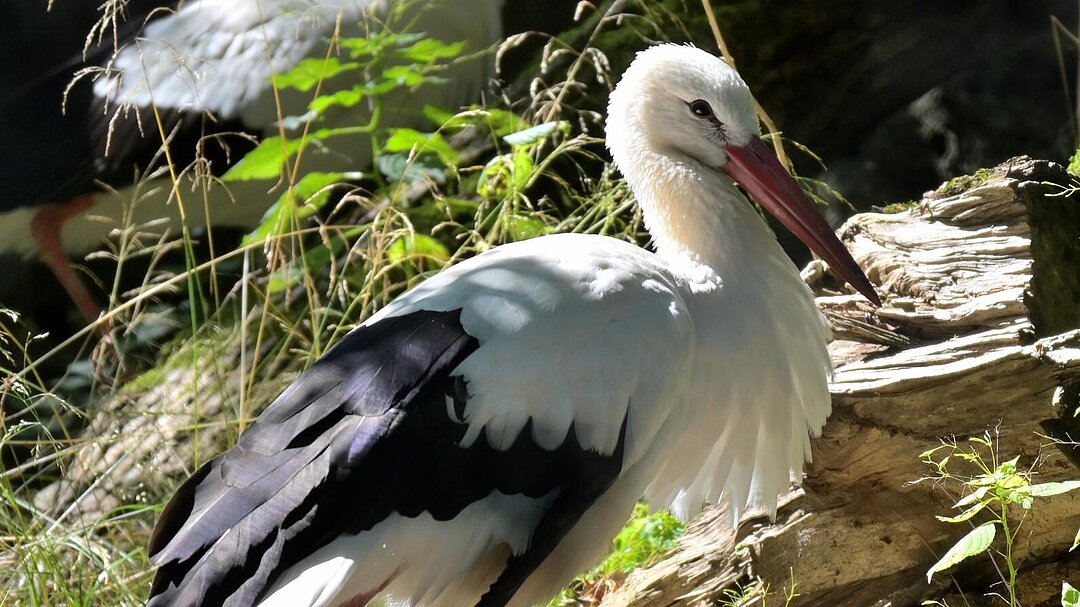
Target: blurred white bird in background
72, 155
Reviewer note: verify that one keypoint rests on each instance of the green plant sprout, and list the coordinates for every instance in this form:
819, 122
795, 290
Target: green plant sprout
645, 537
758, 593
1070, 597
993, 494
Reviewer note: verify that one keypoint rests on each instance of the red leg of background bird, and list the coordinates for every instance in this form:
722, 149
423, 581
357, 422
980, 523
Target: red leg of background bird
45, 228
361, 600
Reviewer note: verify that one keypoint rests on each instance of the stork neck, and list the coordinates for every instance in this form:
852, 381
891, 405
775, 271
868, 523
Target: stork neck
697, 217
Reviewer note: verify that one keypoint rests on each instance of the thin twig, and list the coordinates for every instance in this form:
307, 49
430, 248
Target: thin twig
777, 141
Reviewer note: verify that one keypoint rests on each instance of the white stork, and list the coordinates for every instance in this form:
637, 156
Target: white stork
481, 439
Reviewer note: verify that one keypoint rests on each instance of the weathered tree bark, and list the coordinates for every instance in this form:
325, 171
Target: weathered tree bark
952, 353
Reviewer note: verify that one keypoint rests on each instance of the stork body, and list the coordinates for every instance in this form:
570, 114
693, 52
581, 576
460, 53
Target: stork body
205, 67
481, 439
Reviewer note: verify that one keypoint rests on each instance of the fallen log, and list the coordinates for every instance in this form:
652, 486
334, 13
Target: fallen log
979, 333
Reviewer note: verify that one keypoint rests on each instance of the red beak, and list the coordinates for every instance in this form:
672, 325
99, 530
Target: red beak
756, 169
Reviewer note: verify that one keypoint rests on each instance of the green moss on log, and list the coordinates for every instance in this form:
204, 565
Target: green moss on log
966, 182
899, 207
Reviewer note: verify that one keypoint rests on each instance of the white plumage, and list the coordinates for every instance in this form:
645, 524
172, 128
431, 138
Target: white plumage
218, 55
694, 374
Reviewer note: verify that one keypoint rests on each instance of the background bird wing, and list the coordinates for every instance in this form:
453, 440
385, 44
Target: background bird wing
216, 56
67, 136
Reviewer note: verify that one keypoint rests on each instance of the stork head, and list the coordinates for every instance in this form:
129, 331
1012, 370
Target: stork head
684, 104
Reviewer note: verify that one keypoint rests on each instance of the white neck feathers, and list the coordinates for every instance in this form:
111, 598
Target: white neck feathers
697, 216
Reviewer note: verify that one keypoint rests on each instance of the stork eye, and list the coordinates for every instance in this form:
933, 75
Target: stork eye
701, 108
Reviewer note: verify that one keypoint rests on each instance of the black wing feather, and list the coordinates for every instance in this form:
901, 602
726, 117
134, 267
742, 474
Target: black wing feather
577, 495
363, 433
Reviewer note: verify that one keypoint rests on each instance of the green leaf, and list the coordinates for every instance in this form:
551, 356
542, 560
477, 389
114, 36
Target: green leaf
1019, 496
926, 454
437, 210
398, 167
522, 169
312, 192
974, 543
973, 497
460, 207
444, 118
503, 122
310, 72
1076, 541
645, 536
1047, 489
373, 89
493, 179
305, 199
524, 227
295, 123
499, 122
284, 278
405, 140
965, 515
413, 245
429, 50
351, 96
1074, 163
505, 173
401, 39
316, 259
403, 75
345, 98
274, 221
1008, 468
1005, 476
1070, 597
363, 47
536, 133
265, 161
